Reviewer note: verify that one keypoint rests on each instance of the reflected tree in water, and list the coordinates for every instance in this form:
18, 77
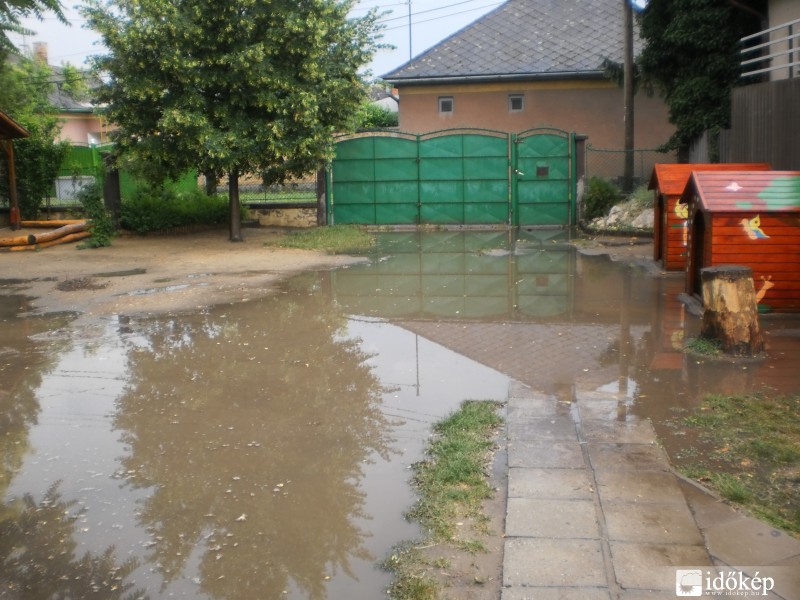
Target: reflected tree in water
251, 425
38, 555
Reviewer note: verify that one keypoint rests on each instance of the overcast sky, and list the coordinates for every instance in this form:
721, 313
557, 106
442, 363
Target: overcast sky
432, 21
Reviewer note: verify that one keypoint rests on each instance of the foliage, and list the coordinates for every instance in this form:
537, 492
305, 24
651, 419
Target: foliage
691, 57
102, 226
704, 346
754, 453
13, 11
73, 83
335, 239
154, 209
24, 88
373, 116
246, 86
599, 197
452, 485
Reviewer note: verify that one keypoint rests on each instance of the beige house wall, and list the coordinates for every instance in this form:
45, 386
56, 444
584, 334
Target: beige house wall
594, 108
781, 12
83, 129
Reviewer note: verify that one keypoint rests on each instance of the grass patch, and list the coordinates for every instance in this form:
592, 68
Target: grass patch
335, 239
452, 483
755, 461
704, 346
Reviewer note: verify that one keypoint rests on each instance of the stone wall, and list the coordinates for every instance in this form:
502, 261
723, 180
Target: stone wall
301, 215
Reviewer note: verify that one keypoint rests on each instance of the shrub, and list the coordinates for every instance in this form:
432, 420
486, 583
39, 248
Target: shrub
102, 227
600, 196
153, 209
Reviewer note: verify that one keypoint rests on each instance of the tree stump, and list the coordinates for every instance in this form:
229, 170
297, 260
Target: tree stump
731, 311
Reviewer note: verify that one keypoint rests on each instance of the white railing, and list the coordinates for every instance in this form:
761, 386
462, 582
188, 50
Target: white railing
773, 50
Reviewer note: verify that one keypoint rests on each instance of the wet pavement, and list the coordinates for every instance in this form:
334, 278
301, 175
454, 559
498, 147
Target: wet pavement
261, 449
595, 510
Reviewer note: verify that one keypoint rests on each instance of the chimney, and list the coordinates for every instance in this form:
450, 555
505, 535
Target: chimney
40, 52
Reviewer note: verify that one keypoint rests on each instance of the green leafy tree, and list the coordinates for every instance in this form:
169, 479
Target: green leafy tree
24, 88
691, 57
373, 116
13, 11
246, 86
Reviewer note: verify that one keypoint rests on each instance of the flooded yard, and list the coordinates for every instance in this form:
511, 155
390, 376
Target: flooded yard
261, 449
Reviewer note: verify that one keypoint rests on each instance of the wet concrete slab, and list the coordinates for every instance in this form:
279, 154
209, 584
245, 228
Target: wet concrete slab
606, 517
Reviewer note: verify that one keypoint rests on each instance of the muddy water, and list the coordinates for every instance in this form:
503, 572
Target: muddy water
261, 450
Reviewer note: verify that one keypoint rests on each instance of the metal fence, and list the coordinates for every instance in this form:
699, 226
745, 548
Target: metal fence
610, 164
253, 190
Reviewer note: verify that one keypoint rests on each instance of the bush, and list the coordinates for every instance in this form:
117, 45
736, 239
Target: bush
600, 196
102, 227
159, 210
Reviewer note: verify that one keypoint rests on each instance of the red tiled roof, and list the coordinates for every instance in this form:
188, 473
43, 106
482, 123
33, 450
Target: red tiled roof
737, 191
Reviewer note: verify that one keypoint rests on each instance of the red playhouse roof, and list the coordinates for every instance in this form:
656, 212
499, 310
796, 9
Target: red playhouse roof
672, 178
738, 191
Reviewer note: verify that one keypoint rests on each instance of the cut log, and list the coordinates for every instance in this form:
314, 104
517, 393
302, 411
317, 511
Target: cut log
50, 224
14, 241
49, 236
731, 311
72, 237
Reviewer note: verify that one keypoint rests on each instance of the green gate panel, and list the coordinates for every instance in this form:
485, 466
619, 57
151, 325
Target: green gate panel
454, 178
356, 193
493, 214
398, 214
437, 192
355, 214
543, 184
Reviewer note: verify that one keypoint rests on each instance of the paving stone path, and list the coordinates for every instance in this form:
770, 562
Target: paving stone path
595, 511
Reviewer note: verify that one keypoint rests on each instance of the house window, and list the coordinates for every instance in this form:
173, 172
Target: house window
516, 103
445, 105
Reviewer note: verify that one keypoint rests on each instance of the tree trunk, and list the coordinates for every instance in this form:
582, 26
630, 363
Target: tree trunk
233, 200
211, 182
731, 311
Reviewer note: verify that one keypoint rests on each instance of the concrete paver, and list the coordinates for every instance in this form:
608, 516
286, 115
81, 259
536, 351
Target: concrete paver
595, 511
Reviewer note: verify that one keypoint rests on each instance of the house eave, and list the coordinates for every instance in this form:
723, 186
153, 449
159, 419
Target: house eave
493, 78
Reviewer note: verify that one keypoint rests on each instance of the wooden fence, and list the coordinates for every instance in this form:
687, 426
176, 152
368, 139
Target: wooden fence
765, 125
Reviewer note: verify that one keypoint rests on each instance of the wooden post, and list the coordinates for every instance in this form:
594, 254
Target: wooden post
731, 311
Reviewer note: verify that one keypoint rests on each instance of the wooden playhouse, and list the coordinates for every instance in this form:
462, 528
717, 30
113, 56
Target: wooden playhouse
669, 232
748, 218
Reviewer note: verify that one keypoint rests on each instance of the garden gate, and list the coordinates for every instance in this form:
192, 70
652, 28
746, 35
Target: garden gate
460, 176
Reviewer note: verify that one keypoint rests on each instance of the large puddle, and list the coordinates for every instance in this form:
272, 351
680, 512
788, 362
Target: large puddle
261, 450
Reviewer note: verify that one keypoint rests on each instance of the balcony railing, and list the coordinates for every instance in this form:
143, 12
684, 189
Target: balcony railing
775, 51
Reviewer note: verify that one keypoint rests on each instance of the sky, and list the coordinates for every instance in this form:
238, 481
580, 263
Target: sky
431, 22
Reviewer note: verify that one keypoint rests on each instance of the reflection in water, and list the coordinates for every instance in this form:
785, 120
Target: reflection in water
260, 450
255, 450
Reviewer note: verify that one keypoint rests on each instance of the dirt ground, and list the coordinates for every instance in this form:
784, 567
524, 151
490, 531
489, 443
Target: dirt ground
139, 275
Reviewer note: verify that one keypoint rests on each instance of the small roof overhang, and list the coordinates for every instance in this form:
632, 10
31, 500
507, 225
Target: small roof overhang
10, 129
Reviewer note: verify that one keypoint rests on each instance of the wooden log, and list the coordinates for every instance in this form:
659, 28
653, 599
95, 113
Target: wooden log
14, 241
731, 311
50, 224
48, 236
72, 237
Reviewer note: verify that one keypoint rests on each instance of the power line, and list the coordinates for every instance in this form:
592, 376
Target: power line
445, 16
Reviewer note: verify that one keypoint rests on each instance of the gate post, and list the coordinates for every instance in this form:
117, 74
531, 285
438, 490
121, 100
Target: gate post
513, 216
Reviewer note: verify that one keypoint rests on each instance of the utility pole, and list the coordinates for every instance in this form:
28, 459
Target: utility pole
627, 184
410, 53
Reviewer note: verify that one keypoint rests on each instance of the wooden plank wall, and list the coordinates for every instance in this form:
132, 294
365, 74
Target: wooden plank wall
765, 125
775, 260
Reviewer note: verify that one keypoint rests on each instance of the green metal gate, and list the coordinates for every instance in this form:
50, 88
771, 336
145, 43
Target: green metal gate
542, 178
453, 177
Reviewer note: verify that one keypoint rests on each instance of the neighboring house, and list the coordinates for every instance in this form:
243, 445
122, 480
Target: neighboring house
386, 99
80, 124
530, 63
